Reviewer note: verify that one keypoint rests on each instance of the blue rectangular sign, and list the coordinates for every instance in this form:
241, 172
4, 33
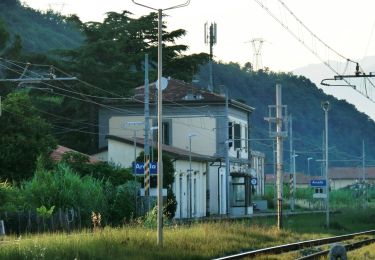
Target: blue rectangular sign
140, 168
318, 183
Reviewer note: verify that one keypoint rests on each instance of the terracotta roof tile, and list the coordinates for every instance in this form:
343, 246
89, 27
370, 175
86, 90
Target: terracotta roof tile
57, 154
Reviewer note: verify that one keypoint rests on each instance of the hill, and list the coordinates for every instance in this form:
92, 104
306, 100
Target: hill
40, 32
347, 126
317, 72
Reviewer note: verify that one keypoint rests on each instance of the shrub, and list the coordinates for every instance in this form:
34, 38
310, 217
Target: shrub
100, 170
123, 207
10, 197
63, 188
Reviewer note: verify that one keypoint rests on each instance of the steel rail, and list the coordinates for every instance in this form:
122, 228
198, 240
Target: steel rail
295, 246
348, 247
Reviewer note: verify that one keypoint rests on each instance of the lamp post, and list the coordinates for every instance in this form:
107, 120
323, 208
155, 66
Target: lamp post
308, 165
294, 179
326, 107
189, 175
134, 123
160, 115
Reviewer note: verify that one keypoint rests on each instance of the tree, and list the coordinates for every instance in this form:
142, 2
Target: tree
112, 58
24, 135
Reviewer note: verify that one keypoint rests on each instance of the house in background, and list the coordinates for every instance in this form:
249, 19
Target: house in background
341, 177
213, 128
57, 154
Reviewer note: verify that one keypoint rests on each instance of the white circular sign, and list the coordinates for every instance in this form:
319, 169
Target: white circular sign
254, 181
164, 83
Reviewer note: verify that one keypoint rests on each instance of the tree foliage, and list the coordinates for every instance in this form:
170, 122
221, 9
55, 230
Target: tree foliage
24, 135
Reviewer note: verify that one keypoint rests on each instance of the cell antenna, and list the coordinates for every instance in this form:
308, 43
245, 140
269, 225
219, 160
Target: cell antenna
210, 38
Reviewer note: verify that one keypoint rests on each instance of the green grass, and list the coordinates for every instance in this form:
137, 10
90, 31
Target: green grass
197, 241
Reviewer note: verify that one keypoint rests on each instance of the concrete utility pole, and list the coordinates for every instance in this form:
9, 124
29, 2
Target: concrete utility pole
279, 157
160, 115
278, 118
326, 107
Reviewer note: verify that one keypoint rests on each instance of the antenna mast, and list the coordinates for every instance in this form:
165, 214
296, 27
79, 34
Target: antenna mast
210, 38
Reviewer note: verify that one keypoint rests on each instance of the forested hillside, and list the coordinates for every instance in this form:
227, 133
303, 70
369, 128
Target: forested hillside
39, 32
347, 126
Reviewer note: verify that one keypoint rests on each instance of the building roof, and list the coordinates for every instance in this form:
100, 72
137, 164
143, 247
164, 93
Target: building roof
334, 173
182, 92
57, 154
351, 173
174, 152
300, 178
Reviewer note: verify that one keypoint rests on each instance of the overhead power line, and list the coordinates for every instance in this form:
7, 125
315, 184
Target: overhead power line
317, 46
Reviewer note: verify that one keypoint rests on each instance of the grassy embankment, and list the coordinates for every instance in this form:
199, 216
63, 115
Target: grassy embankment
197, 241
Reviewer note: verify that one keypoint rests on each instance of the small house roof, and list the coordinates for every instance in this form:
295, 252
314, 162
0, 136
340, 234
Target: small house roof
57, 154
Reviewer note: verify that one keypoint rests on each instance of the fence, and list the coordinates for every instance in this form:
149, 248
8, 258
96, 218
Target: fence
30, 222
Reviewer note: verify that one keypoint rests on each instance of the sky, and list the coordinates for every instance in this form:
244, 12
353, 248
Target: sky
347, 26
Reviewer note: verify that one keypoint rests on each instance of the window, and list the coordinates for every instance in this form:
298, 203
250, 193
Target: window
238, 188
237, 136
166, 133
230, 134
246, 138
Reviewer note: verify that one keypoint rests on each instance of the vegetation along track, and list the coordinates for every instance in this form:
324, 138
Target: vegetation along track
305, 244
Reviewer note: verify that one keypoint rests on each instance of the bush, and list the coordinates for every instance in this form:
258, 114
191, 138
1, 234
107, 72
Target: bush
123, 205
10, 197
100, 170
64, 189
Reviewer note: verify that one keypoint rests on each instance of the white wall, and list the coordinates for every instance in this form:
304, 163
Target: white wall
118, 125
217, 186
198, 189
123, 154
203, 127
258, 165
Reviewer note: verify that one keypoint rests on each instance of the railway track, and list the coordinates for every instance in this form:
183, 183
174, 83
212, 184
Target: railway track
306, 244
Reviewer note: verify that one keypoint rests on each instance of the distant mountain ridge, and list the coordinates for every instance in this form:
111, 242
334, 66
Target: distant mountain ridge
317, 72
40, 32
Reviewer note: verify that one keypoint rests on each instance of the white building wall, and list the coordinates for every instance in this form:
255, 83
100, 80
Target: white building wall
258, 165
122, 126
203, 142
121, 154
198, 189
217, 187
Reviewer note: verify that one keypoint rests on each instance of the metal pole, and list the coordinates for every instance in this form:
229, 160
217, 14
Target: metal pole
160, 118
189, 176
147, 110
294, 177
227, 162
211, 86
292, 167
135, 154
364, 187
326, 108
160, 133
279, 157
308, 165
